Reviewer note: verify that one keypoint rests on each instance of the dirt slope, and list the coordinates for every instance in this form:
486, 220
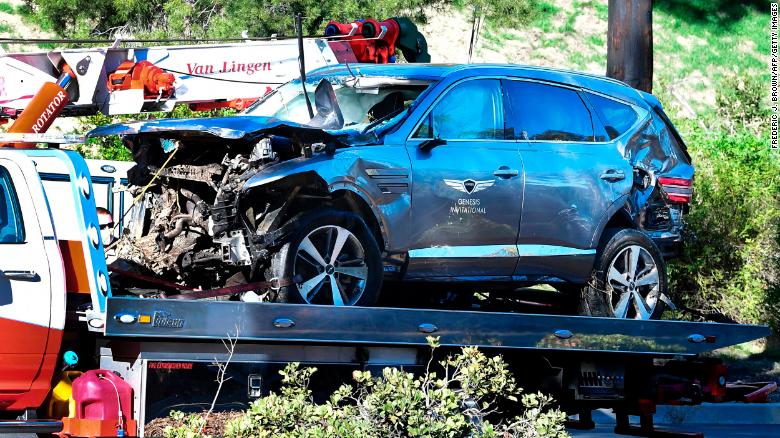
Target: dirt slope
689, 55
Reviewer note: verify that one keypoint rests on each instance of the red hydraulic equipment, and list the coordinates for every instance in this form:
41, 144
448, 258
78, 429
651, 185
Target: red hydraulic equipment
371, 40
375, 41
143, 75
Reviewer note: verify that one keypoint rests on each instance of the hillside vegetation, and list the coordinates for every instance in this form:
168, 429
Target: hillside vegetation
710, 71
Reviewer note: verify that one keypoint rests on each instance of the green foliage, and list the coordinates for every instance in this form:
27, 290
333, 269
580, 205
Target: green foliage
709, 37
506, 13
188, 426
7, 8
458, 403
107, 148
228, 18
740, 102
732, 263
111, 148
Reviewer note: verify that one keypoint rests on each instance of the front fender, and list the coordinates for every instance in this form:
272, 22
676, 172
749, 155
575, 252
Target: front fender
276, 172
360, 171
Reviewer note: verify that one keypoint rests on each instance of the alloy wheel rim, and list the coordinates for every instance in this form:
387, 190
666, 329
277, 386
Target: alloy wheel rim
330, 267
633, 283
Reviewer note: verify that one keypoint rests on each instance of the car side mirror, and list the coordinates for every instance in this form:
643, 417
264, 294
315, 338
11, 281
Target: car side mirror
329, 114
429, 144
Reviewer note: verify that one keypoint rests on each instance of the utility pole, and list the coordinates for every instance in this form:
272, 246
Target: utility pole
630, 43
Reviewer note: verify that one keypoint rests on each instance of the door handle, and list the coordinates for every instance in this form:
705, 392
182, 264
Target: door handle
20, 275
505, 172
613, 175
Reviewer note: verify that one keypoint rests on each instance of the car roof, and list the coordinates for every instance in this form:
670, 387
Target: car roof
410, 71
436, 72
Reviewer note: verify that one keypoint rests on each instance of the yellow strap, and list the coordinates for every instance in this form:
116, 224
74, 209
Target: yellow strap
154, 178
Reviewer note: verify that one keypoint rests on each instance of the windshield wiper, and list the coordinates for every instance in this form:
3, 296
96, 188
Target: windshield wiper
384, 118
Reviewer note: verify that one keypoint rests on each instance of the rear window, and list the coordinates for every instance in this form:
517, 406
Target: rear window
616, 117
546, 112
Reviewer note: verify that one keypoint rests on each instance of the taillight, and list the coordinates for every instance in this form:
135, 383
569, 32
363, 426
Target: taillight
677, 189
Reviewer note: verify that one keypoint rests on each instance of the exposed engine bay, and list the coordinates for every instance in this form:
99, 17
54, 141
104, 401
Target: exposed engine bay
194, 223
190, 225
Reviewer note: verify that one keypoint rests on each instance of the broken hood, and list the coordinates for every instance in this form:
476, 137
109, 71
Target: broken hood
229, 128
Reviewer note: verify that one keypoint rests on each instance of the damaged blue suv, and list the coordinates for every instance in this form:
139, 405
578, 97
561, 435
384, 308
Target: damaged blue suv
499, 174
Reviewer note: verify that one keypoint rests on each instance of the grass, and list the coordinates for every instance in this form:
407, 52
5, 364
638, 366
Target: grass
545, 12
568, 26
712, 36
7, 8
597, 40
711, 39
696, 42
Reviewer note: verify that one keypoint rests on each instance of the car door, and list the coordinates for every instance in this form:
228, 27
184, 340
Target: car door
25, 287
467, 190
569, 179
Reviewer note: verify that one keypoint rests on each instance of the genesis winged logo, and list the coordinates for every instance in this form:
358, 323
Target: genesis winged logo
469, 186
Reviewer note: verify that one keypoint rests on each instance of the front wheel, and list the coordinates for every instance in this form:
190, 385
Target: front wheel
629, 278
332, 259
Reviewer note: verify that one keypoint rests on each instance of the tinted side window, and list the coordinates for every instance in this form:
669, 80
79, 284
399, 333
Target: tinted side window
615, 116
545, 112
472, 110
11, 227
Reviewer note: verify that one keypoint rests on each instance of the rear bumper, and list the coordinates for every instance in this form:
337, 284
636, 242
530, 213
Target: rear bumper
670, 243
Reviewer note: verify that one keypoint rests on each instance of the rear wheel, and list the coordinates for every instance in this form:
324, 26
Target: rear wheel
628, 279
333, 259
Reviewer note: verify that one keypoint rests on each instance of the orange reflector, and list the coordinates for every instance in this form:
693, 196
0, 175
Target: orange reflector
76, 273
144, 319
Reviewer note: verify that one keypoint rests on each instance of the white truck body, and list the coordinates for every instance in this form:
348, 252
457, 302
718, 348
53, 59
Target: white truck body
32, 284
203, 73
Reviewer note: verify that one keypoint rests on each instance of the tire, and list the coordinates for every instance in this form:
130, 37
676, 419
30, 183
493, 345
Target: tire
628, 279
307, 260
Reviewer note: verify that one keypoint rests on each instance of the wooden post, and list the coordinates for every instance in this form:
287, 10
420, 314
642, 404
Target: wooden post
630, 43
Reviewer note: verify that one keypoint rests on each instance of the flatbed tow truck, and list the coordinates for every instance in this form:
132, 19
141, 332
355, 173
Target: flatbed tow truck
56, 296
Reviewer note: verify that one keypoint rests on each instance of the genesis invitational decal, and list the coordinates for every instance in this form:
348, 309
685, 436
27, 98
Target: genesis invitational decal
469, 186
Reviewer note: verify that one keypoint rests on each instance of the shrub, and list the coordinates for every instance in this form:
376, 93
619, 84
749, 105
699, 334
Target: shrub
740, 103
111, 148
462, 400
731, 265
227, 18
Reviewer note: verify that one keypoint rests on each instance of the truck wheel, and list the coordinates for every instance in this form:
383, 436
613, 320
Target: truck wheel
332, 259
628, 278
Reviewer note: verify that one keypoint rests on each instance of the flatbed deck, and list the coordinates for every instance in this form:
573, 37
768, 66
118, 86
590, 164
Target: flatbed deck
181, 319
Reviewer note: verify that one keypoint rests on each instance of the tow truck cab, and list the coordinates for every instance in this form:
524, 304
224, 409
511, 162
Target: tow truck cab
39, 265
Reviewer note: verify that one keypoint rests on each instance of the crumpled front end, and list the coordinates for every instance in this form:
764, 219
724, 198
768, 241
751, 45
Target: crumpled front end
192, 224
